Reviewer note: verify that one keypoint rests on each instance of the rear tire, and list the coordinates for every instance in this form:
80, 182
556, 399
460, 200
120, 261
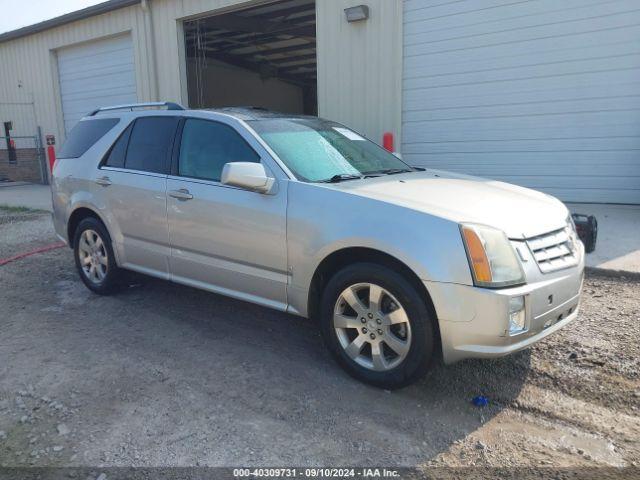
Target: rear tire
377, 325
94, 257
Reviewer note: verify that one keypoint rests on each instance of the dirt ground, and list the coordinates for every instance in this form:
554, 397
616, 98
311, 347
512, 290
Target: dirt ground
165, 375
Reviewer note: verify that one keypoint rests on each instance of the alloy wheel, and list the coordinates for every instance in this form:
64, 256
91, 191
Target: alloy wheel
372, 327
92, 253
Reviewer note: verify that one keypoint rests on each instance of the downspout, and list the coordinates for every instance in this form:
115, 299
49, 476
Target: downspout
151, 44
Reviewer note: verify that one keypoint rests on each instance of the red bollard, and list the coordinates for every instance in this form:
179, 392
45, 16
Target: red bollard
51, 153
387, 141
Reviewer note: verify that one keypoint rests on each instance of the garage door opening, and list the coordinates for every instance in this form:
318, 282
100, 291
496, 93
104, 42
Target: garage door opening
261, 57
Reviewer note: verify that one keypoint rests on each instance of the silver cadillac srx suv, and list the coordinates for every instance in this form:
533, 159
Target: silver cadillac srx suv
397, 263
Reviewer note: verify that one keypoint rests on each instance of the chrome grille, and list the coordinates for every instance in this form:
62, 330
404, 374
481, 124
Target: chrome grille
554, 250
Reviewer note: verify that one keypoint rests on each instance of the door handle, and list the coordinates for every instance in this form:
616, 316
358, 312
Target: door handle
104, 181
182, 194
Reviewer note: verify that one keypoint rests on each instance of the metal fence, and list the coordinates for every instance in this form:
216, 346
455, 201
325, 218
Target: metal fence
27, 163
22, 156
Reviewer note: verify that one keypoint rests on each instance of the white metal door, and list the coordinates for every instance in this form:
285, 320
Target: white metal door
543, 94
95, 74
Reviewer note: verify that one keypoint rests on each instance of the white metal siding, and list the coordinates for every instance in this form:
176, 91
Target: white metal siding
359, 66
32, 74
95, 74
544, 94
358, 85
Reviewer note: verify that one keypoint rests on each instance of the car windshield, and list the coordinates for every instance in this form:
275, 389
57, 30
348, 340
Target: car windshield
320, 151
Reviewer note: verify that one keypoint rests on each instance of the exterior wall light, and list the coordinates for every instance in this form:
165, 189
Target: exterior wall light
356, 14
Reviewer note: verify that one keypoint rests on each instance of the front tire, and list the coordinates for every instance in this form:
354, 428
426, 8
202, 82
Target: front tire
94, 257
377, 325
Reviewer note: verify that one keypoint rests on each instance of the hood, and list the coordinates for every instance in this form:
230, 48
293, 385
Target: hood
517, 211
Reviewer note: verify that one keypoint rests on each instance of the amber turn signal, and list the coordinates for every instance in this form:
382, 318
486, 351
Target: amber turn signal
477, 256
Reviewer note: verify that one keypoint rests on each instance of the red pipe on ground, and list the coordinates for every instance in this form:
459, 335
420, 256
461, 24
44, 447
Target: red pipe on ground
4, 261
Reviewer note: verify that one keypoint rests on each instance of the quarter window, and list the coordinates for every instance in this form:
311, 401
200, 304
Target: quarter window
150, 142
119, 150
84, 136
206, 146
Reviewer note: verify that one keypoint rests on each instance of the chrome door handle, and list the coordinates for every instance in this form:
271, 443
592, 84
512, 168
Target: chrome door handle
104, 181
182, 194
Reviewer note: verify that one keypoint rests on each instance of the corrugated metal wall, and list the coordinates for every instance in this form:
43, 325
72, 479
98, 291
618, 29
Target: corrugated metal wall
360, 66
536, 93
23, 116
32, 74
359, 85
544, 94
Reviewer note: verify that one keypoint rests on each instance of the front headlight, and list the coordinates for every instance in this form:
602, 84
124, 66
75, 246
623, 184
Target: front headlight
572, 232
492, 259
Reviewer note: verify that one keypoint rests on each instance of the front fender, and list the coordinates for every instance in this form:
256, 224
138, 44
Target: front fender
321, 221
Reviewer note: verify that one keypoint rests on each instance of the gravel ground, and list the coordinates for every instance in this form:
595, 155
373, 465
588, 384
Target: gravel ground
161, 375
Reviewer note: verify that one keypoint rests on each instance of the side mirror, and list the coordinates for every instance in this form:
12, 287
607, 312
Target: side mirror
248, 175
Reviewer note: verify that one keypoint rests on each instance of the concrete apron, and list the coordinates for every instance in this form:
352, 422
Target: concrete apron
30, 195
618, 244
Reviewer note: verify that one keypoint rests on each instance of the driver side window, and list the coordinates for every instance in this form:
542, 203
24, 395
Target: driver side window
206, 146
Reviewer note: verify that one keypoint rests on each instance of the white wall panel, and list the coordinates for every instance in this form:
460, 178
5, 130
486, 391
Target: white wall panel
33, 73
359, 85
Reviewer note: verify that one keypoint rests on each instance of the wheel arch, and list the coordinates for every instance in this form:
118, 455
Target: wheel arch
77, 215
339, 259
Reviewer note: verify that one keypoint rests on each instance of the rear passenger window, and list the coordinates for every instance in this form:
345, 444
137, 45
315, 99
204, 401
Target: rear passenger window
84, 135
119, 150
150, 142
206, 147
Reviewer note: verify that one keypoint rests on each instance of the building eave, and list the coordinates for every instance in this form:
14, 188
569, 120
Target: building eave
88, 12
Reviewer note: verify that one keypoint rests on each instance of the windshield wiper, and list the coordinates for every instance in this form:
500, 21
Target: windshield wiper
390, 171
341, 177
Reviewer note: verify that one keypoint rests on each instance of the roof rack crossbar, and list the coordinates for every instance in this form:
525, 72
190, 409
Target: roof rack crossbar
131, 106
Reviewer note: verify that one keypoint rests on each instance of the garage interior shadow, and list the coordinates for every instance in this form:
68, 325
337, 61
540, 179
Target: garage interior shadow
270, 370
263, 56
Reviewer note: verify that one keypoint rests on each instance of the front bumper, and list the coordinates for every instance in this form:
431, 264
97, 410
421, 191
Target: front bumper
474, 322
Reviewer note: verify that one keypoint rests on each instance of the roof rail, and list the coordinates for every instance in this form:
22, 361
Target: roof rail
131, 106
245, 107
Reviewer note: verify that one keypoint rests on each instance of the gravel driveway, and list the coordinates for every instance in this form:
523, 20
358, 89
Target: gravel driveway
162, 374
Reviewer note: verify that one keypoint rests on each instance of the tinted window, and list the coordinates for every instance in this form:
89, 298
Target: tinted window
206, 146
151, 139
84, 135
119, 150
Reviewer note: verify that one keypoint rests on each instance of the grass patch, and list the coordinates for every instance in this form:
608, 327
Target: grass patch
12, 209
